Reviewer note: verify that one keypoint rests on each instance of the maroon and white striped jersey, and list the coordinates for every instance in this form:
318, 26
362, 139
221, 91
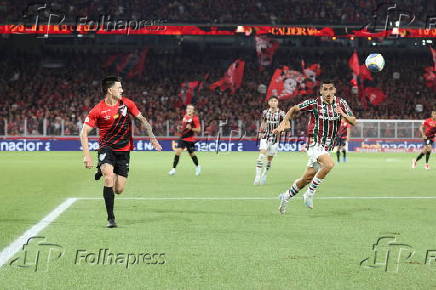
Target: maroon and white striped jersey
324, 122
271, 120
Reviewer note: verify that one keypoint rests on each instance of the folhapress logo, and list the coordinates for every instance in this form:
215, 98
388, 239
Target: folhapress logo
37, 254
107, 257
388, 254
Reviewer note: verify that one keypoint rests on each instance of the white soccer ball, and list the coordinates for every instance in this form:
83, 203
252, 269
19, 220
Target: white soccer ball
375, 62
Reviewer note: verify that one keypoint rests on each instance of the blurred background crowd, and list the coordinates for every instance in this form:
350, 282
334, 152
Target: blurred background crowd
60, 87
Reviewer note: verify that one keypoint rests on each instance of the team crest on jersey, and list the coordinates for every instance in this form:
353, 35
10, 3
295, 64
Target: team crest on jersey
116, 116
102, 156
123, 110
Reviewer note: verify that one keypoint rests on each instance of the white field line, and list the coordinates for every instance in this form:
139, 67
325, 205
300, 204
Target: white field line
7, 253
259, 198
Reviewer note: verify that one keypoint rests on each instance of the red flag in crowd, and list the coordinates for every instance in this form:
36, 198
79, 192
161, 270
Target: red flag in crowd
286, 83
276, 84
232, 79
311, 73
265, 49
430, 72
374, 95
188, 90
430, 77
128, 65
353, 63
433, 53
138, 67
110, 60
364, 82
364, 73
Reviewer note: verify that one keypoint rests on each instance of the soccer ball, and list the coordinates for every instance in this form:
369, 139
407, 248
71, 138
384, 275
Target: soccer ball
375, 62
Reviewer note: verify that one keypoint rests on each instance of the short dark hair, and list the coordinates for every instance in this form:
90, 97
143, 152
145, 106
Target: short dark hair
108, 82
273, 97
327, 81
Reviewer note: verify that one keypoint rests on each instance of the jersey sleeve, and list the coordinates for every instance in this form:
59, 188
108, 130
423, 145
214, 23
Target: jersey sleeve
196, 122
346, 108
133, 109
91, 119
307, 105
263, 116
426, 123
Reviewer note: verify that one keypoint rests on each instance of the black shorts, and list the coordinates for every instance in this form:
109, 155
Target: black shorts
428, 141
341, 141
190, 146
118, 159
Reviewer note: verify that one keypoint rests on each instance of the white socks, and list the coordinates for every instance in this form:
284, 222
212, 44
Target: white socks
260, 164
314, 185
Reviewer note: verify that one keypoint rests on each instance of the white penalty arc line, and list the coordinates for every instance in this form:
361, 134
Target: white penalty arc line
7, 253
258, 198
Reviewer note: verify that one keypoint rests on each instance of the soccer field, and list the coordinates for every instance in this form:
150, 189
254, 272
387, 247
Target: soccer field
217, 230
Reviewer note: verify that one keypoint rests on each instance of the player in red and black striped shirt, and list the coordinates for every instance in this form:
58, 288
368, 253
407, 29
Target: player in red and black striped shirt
326, 113
189, 127
112, 117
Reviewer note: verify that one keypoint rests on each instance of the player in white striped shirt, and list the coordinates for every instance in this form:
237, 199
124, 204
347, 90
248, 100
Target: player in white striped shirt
269, 142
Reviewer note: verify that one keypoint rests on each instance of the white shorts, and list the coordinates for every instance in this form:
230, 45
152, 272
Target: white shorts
269, 146
314, 152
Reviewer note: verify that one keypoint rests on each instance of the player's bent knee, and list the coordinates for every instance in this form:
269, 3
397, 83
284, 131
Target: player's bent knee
119, 190
109, 179
329, 166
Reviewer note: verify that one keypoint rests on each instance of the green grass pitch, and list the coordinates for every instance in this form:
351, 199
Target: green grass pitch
222, 243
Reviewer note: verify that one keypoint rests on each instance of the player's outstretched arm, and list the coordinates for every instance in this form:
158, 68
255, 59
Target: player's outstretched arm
350, 119
149, 130
87, 160
285, 124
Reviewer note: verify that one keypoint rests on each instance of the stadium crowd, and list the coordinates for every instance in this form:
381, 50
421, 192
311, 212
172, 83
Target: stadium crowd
219, 11
62, 88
